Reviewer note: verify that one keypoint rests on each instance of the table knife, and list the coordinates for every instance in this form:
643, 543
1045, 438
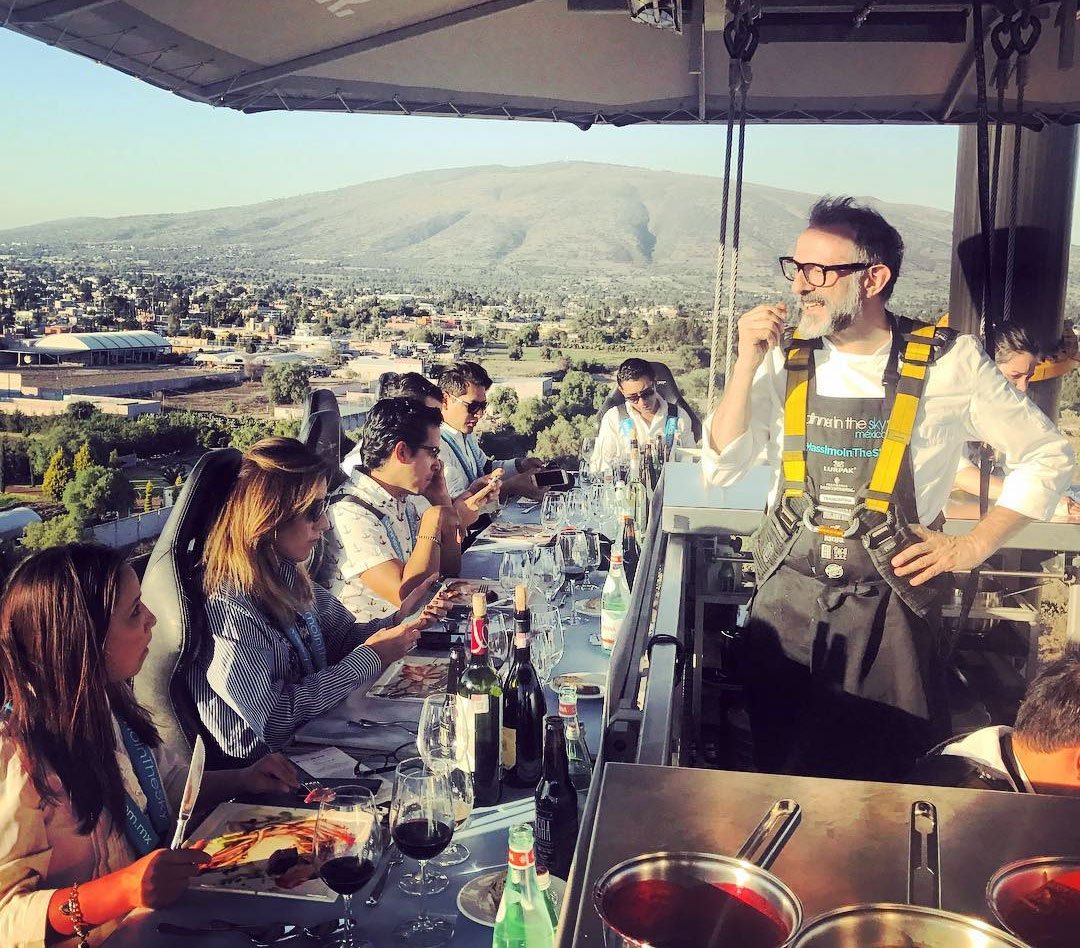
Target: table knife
191, 791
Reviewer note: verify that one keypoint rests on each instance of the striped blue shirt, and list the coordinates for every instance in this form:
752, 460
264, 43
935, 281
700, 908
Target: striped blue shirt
249, 684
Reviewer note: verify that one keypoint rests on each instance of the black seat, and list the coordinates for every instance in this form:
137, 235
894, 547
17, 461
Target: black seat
172, 589
322, 431
668, 389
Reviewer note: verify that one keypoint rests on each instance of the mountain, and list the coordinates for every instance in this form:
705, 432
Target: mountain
552, 223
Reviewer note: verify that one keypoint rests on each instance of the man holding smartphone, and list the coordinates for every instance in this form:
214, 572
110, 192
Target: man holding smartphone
464, 387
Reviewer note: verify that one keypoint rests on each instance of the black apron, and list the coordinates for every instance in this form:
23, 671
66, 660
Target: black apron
842, 678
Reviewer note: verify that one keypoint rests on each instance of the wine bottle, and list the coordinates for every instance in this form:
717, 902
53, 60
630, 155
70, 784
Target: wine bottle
579, 762
556, 804
456, 667
480, 688
629, 547
614, 603
523, 919
524, 706
649, 474
638, 500
543, 880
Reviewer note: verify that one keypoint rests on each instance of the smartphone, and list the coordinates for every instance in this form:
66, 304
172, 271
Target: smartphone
552, 478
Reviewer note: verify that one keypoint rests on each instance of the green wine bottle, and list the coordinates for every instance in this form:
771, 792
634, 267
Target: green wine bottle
523, 920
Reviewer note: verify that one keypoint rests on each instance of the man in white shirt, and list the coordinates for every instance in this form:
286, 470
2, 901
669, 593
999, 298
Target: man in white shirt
644, 413
1040, 755
844, 667
464, 387
381, 546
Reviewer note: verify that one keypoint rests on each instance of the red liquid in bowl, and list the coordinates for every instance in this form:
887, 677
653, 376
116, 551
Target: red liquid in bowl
669, 914
1046, 915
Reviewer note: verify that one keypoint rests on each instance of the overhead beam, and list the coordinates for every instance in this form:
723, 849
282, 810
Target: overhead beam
52, 9
335, 53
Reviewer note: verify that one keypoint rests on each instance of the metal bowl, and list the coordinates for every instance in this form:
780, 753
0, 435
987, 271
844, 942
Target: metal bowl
883, 925
1018, 880
738, 874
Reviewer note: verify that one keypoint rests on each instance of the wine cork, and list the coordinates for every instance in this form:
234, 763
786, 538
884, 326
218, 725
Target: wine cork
479, 605
521, 597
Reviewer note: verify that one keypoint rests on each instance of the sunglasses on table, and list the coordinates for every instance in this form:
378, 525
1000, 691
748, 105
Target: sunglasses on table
314, 511
643, 395
817, 274
473, 408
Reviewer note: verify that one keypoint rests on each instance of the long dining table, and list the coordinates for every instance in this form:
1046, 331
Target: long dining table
485, 834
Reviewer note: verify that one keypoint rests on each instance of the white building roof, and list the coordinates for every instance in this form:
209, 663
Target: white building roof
85, 341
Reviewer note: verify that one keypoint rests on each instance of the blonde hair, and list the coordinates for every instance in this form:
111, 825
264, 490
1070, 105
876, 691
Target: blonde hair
279, 479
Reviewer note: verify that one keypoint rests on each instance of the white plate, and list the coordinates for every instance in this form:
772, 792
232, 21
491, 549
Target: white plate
599, 679
477, 900
589, 607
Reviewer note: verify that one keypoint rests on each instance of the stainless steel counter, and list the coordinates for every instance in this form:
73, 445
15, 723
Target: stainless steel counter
852, 844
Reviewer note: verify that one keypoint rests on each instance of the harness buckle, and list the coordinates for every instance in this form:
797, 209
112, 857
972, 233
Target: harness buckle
847, 533
877, 526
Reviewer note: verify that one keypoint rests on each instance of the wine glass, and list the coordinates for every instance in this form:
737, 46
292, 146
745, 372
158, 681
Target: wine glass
444, 738
348, 844
514, 569
546, 575
585, 460
500, 635
591, 541
571, 556
551, 511
422, 825
547, 643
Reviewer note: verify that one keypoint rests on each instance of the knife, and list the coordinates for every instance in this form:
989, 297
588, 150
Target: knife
191, 791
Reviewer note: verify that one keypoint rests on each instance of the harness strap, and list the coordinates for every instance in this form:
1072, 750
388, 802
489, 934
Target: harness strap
386, 522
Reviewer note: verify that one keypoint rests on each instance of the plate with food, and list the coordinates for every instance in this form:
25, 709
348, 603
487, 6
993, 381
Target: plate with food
524, 534
413, 677
587, 684
478, 900
263, 850
589, 607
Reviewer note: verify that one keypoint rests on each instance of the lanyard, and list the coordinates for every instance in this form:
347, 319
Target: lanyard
144, 829
313, 652
472, 471
391, 535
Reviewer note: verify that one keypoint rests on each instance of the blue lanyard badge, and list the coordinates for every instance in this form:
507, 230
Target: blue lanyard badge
472, 471
671, 427
313, 652
391, 534
144, 829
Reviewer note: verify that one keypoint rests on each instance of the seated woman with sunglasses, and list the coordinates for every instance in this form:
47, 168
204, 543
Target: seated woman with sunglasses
87, 792
281, 650
644, 412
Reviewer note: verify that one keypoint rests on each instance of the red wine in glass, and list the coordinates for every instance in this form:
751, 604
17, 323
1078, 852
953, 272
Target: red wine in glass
422, 839
346, 875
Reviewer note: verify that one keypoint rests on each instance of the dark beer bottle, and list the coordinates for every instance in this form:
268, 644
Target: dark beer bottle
556, 804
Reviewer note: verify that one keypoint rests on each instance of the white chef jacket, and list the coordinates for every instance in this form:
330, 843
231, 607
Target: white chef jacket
41, 849
610, 443
457, 477
966, 398
983, 747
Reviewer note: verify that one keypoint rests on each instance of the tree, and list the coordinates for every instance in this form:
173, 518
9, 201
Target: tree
83, 459
98, 490
59, 530
288, 383
532, 416
148, 496
579, 395
81, 411
57, 475
562, 441
503, 403
516, 353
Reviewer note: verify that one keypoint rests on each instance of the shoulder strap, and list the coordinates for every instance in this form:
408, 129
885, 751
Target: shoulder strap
798, 363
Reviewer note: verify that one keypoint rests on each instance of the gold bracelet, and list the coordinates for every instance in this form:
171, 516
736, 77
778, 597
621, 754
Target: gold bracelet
71, 909
432, 539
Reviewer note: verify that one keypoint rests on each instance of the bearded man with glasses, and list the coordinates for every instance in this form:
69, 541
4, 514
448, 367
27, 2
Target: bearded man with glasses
863, 415
464, 387
645, 412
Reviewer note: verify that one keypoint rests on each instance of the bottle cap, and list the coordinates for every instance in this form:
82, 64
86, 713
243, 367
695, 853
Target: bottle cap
479, 606
616, 558
543, 878
521, 597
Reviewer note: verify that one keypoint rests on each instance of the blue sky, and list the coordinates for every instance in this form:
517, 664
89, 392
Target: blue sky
81, 139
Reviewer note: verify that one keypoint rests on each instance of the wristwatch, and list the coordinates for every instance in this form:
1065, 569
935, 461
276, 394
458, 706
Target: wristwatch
72, 911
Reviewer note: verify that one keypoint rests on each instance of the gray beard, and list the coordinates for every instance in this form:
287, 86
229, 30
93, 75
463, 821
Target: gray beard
838, 315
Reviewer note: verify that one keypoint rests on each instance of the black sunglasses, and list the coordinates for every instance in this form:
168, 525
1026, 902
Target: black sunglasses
473, 408
314, 511
639, 396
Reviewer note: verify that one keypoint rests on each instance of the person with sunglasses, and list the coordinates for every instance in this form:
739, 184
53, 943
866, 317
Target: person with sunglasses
863, 415
644, 412
281, 650
382, 544
464, 387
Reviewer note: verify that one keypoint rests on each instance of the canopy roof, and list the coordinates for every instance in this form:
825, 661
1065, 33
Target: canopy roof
580, 61
83, 341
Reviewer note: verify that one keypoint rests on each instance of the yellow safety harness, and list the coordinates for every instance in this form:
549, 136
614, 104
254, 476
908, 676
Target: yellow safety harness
917, 356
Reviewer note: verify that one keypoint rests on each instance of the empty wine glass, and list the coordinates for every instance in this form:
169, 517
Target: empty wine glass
546, 575
500, 635
444, 739
572, 555
422, 825
591, 558
547, 643
348, 844
585, 460
551, 511
514, 569
463, 796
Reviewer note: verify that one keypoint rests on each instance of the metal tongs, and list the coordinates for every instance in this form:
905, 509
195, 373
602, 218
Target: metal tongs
924, 857
763, 845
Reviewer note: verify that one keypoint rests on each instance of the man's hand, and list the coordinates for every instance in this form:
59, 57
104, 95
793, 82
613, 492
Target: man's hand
270, 774
936, 553
528, 465
469, 505
524, 485
760, 330
436, 492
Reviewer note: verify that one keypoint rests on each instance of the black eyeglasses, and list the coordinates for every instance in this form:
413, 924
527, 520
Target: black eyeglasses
473, 408
817, 274
645, 393
434, 452
314, 511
